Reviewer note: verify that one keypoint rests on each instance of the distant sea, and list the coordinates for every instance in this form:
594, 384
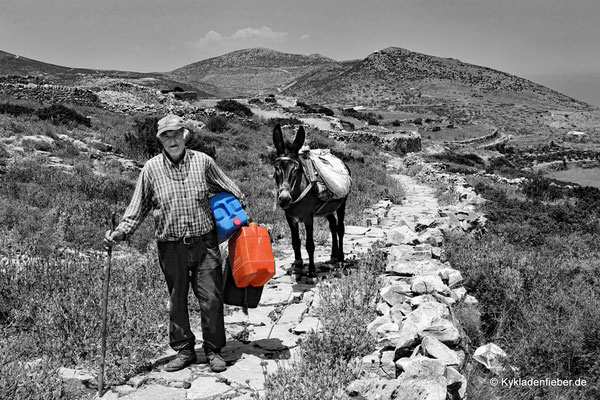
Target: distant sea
580, 86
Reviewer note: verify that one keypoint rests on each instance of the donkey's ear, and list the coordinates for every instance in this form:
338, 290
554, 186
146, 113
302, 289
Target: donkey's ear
299, 141
278, 140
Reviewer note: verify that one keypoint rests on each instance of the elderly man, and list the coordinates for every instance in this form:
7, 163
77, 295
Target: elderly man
176, 186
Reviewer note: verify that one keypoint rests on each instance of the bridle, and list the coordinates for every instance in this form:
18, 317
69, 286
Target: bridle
305, 191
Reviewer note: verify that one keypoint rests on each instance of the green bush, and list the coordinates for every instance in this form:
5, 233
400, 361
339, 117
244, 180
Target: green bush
15, 109
55, 311
59, 114
315, 109
217, 124
284, 121
143, 140
330, 360
234, 107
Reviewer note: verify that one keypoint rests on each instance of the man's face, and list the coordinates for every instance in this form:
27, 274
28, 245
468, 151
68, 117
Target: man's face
173, 143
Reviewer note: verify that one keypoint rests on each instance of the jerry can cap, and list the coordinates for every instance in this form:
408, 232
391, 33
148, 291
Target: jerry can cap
237, 221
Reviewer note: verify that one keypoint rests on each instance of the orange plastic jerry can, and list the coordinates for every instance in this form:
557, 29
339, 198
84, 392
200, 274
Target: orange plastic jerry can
251, 256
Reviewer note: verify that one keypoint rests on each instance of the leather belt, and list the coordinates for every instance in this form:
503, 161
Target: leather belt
191, 239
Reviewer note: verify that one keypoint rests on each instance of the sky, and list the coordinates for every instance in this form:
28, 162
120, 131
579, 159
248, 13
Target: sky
545, 39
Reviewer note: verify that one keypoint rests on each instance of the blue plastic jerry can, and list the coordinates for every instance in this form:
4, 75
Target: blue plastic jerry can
228, 213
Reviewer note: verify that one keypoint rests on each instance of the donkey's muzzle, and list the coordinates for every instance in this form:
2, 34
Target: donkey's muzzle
285, 199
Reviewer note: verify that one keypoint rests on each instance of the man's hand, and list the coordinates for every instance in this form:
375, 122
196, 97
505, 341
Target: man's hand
112, 237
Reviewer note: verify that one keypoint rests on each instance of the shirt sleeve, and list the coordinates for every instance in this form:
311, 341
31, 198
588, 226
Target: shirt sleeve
219, 182
139, 207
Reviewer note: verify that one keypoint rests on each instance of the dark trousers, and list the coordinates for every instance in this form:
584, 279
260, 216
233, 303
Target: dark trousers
198, 264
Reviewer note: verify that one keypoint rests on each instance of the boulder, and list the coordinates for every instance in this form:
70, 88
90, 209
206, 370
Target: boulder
457, 384
421, 367
451, 276
426, 313
458, 293
399, 311
401, 235
380, 363
399, 253
441, 329
385, 329
423, 298
429, 284
421, 389
424, 223
406, 337
373, 388
376, 323
432, 347
394, 294
490, 356
383, 308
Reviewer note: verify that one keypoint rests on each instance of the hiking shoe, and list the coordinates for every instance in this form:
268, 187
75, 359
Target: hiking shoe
183, 359
216, 362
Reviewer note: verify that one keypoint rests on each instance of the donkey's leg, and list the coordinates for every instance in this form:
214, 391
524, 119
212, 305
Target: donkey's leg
295, 241
334, 238
341, 213
310, 247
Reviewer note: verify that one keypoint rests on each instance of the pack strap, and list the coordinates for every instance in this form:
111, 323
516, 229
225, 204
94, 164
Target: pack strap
304, 193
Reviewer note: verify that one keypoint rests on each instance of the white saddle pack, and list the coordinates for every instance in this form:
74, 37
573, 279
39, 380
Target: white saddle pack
328, 171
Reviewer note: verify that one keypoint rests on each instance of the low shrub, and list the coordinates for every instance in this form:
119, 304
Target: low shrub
143, 139
330, 359
55, 312
370, 118
59, 114
315, 109
234, 107
217, 124
284, 121
15, 109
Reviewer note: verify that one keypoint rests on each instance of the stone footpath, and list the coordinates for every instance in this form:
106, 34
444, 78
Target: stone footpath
255, 341
287, 310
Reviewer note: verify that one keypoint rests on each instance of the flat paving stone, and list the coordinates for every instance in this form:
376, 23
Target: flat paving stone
276, 295
256, 316
207, 387
355, 230
157, 392
308, 323
273, 338
292, 313
184, 375
248, 372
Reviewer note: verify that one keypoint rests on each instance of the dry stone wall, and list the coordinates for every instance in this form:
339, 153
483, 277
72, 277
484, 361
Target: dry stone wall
421, 349
39, 90
399, 143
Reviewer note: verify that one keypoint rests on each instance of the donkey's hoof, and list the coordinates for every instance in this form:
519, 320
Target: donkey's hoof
333, 261
312, 273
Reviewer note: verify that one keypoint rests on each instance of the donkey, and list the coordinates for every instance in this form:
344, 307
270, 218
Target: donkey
298, 198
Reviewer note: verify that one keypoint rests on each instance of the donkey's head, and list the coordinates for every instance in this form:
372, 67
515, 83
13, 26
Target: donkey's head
288, 170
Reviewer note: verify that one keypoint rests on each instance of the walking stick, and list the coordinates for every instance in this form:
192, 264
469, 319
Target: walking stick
105, 310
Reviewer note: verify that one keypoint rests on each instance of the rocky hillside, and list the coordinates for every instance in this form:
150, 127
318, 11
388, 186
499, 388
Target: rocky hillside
403, 76
11, 64
249, 71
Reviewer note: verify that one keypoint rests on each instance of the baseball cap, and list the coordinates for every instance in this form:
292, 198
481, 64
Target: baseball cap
170, 123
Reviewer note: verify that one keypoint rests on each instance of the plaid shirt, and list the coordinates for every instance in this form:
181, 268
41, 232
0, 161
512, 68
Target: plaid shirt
178, 196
